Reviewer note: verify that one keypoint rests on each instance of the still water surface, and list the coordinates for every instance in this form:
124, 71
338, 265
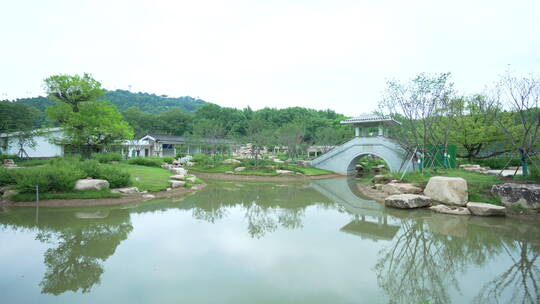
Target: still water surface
265, 243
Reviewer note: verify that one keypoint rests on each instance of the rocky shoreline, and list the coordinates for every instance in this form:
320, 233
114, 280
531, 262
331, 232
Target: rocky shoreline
450, 196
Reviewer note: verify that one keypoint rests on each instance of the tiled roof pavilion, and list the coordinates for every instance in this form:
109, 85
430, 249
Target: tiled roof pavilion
365, 121
369, 120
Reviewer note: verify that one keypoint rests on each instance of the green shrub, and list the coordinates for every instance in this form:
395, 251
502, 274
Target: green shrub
256, 163
49, 178
90, 167
8, 156
146, 161
32, 162
107, 157
7, 177
168, 159
202, 159
65, 159
62, 174
281, 156
116, 178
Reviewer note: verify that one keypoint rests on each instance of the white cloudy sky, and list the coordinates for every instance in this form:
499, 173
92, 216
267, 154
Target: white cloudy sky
312, 53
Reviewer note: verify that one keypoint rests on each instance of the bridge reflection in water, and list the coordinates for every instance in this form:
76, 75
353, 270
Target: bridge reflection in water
370, 221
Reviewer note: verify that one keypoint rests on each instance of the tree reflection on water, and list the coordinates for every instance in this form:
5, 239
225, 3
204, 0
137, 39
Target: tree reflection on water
425, 260
82, 241
264, 207
423, 255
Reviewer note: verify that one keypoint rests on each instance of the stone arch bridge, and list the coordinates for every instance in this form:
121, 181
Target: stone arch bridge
342, 159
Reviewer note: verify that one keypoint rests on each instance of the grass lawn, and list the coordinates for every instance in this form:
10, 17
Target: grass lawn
479, 185
66, 195
309, 171
146, 178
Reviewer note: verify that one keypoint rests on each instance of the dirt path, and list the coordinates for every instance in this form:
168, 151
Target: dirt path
257, 178
91, 202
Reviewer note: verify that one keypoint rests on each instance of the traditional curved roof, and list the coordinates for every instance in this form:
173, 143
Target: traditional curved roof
369, 120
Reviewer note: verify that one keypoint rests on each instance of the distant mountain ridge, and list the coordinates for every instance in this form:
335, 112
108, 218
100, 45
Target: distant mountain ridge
122, 99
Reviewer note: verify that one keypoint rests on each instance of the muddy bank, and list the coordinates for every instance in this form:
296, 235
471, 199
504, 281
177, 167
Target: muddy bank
257, 178
93, 202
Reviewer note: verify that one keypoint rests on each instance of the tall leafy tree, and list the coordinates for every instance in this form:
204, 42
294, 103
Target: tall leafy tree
88, 125
73, 89
472, 127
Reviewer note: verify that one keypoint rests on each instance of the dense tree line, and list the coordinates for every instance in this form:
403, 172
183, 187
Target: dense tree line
123, 100
187, 116
267, 125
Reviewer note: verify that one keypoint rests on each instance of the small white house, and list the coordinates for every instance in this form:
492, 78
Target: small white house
44, 148
165, 145
149, 145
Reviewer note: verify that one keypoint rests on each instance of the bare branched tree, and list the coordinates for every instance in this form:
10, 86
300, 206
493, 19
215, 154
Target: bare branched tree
519, 119
418, 105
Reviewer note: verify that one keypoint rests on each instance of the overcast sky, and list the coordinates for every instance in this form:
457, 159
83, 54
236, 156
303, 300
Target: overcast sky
278, 53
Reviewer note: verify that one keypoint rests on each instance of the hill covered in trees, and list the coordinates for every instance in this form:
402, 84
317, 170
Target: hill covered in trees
122, 99
187, 116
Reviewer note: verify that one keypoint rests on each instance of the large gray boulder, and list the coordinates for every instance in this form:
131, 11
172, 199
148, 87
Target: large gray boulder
407, 201
455, 210
239, 169
177, 183
526, 195
179, 171
399, 188
91, 184
447, 190
179, 177
483, 209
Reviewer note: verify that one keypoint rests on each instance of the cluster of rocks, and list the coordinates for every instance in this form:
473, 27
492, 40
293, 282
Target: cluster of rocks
510, 171
246, 151
442, 194
179, 163
9, 164
360, 168
475, 168
180, 177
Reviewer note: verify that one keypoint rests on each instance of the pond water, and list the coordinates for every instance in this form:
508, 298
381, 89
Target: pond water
265, 243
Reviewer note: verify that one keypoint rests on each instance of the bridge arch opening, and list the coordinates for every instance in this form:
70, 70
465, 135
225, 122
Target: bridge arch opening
368, 162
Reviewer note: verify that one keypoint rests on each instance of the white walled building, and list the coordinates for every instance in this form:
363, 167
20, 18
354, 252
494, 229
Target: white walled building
45, 148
